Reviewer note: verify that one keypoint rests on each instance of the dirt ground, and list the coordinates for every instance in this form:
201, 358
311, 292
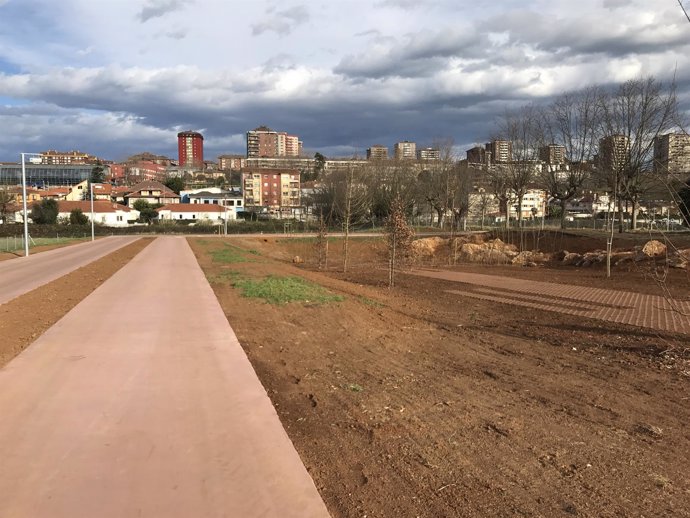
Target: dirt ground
417, 402
27, 317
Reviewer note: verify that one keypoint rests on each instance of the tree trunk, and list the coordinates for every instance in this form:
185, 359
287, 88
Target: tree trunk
439, 213
348, 208
563, 202
506, 206
634, 214
620, 215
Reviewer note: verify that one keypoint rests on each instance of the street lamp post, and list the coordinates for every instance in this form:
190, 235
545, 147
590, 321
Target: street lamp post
225, 199
93, 233
26, 216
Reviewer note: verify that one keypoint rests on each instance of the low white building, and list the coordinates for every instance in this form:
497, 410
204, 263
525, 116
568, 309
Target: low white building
104, 212
232, 198
196, 212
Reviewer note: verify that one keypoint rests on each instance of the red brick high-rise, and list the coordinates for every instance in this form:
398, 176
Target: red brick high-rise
190, 146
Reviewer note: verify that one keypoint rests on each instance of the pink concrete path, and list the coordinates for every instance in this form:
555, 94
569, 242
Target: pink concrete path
140, 402
623, 307
23, 274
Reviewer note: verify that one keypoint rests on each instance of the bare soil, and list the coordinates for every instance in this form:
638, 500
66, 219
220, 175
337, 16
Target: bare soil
417, 402
27, 317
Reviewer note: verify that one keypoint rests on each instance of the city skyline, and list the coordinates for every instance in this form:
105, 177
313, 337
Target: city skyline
380, 72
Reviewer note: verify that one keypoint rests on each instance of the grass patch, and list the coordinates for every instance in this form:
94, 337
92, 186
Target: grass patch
283, 290
229, 254
354, 387
224, 277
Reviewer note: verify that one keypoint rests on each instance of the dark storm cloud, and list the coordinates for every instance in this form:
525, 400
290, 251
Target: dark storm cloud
586, 36
420, 55
281, 22
158, 8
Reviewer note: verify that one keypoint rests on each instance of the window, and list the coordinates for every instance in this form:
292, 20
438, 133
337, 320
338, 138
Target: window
119, 218
193, 216
180, 216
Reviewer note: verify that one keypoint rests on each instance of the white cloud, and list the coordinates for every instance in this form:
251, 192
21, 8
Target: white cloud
347, 75
281, 22
159, 8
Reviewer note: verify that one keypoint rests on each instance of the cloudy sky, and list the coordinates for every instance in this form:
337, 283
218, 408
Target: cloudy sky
118, 77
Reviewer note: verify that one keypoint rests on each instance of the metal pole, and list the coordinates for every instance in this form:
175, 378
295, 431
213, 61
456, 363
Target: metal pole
26, 218
226, 214
93, 234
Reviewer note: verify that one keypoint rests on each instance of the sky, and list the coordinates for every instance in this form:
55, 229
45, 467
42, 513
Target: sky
118, 77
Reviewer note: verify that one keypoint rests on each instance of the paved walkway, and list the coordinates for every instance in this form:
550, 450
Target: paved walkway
23, 274
623, 307
140, 402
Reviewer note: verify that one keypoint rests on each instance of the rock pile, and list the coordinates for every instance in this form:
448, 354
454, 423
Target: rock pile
475, 248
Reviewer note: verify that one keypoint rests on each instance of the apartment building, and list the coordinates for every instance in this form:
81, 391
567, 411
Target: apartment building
672, 154
264, 142
478, 155
405, 150
613, 152
429, 153
552, 154
501, 151
377, 152
190, 146
271, 190
232, 162
53, 157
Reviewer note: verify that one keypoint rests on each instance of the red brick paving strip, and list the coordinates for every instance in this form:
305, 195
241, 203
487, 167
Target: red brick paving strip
624, 307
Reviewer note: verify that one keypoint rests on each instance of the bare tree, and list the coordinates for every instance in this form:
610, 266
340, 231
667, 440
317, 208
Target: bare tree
573, 121
354, 205
343, 200
436, 181
388, 180
321, 244
460, 187
6, 200
497, 178
400, 236
636, 113
524, 129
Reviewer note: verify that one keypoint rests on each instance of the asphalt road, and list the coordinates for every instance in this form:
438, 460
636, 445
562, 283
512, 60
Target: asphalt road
23, 274
141, 402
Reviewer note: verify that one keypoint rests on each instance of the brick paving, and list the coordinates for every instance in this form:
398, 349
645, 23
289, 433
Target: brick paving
623, 307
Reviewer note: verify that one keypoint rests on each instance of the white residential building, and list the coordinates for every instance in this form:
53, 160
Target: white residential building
233, 199
533, 204
104, 212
